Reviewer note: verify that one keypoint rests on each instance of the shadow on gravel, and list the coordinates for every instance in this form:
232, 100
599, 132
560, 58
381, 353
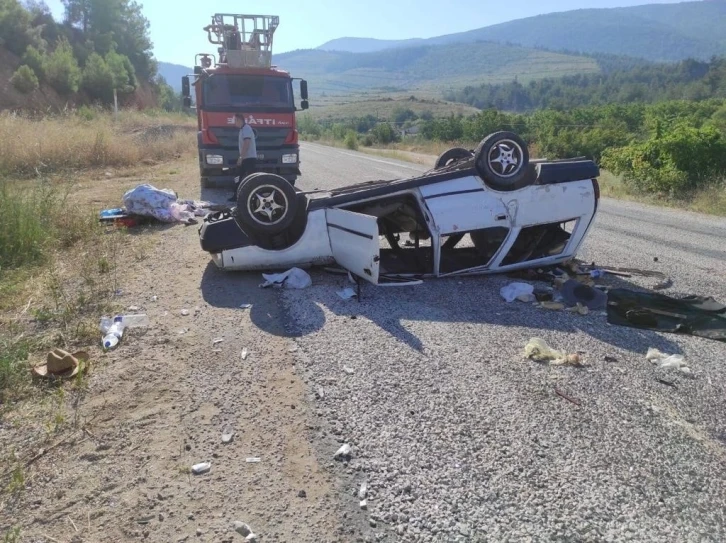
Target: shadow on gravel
230, 290
453, 301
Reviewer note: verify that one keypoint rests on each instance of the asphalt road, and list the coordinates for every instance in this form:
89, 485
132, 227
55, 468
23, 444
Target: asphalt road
458, 437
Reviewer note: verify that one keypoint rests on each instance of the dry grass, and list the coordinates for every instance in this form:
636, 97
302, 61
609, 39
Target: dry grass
89, 139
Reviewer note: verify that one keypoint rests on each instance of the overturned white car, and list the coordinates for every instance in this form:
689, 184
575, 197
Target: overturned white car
489, 210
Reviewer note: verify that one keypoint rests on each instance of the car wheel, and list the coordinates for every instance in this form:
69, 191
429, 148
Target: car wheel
502, 160
266, 203
451, 156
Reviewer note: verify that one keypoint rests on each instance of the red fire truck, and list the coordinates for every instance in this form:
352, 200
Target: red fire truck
243, 79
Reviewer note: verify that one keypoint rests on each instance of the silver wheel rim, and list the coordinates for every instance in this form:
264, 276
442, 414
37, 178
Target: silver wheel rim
267, 205
505, 158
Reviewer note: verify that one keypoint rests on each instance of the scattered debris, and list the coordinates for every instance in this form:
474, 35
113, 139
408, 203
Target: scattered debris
227, 437
568, 398
204, 467
363, 492
690, 315
253, 460
251, 537
364, 504
292, 278
344, 451
302, 494
217, 340
241, 528
574, 293
537, 349
61, 364
184, 312
244, 354
667, 383
523, 292
348, 370
664, 361
610, 359
554, 306
246, 306
347, 293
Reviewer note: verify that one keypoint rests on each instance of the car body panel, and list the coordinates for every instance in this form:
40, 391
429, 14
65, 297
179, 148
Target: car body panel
355, 242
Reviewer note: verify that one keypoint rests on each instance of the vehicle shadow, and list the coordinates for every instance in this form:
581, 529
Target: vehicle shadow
462, 300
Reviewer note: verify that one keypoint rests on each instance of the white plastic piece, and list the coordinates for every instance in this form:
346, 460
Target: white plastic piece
514, 291
292, 278
203, 467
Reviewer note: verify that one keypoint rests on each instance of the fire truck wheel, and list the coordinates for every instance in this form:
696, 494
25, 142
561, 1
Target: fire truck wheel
452, 155
502, 160
266, 203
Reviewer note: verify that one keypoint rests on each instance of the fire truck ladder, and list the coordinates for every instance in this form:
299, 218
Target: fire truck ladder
245, 40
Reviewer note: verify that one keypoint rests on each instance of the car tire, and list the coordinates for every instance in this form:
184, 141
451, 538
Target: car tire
266, 203
451, 156
502, 160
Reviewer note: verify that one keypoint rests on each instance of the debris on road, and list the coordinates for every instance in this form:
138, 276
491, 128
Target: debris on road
292, 278
343, 452
665, 361
203, 467
567, 397
253, 460
227, 437
691, 315
217, 340
574, 293
537, 349
523, 292
246, 306
241, 528
244, 354
347, 293
363, 492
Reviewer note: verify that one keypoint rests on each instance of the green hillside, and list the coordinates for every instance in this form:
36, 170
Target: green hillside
427, 68
658, 32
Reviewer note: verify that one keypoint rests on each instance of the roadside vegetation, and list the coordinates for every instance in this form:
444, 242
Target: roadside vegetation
59, 266
670, 152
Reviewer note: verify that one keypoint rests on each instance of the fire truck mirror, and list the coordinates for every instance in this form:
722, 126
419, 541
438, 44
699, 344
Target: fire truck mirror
304, 104
304, 90
185, 86
187, 102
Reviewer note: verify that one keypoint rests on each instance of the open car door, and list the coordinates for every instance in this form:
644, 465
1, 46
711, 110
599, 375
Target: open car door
354, 241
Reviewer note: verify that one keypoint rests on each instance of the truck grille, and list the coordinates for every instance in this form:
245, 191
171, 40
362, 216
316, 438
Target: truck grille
266, 137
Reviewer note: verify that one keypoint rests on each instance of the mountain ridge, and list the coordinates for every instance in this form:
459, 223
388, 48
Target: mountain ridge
656, 32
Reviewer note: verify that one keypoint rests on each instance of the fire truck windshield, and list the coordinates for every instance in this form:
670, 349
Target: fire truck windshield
225, 91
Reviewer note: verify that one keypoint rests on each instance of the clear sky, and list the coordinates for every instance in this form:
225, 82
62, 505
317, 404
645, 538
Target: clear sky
176, 27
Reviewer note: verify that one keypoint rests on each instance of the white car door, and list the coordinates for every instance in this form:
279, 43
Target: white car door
354, 242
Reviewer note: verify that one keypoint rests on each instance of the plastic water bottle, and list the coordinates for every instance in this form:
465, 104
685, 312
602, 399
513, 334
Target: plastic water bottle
114, 333
113, 329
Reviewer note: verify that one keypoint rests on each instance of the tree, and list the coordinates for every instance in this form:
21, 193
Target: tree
115, 25
24, 79
98, 79
35, 60
62, 70
14, 26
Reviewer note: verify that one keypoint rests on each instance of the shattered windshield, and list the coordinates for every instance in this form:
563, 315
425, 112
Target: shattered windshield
230, 91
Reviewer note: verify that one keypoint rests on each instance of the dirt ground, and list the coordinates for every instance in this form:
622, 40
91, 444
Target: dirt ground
159, 403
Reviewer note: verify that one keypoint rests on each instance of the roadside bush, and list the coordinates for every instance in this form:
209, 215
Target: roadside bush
684, 159
384, 133
368, 140
35, 60
24, 79
351, 140
62, 70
